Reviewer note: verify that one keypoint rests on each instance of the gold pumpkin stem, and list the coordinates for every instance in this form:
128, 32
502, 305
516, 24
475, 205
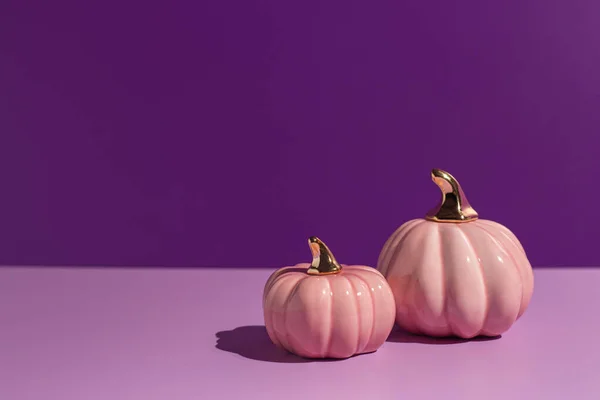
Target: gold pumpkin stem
454, 206
324, 262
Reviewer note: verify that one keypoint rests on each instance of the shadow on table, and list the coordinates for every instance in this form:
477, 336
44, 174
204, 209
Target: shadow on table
254, 343
399, 335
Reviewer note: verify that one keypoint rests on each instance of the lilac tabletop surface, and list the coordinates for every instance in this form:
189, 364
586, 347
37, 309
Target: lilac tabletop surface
148, 334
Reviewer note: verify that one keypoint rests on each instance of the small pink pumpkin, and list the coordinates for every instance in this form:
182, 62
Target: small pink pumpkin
328, 310
453, 274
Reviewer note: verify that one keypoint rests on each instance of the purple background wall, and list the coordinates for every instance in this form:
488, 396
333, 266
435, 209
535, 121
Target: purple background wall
224, 133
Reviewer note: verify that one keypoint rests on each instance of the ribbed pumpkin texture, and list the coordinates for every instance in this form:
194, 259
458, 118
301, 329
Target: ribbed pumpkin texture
456, 279
328, 316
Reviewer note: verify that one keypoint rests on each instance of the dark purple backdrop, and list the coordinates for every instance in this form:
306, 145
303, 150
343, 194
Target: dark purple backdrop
224, 133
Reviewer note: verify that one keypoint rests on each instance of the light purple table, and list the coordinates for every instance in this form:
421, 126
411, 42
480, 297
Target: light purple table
148, 334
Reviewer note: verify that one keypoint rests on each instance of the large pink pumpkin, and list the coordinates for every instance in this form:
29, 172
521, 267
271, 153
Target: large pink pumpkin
453, 274
328, 310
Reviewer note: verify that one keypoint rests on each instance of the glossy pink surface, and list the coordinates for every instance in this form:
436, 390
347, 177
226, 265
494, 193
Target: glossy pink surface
463, 279
328, 316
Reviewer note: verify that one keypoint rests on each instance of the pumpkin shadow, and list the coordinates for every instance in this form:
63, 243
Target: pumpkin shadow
399, 335
254, 343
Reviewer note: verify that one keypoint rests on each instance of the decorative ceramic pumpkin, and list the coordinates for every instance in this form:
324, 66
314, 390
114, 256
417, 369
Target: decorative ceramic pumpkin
328, 310
453, 274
